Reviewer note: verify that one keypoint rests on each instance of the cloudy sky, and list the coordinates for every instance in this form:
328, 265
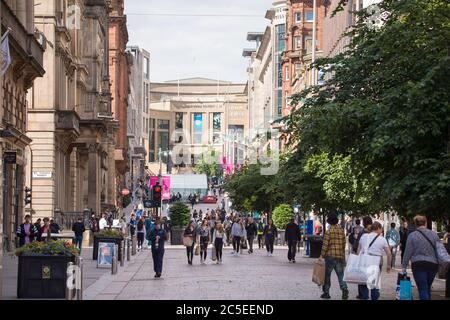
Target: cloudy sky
206, 45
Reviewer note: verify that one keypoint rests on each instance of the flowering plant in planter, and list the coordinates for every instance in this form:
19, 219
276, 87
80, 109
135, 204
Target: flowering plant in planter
51, 248
109, 233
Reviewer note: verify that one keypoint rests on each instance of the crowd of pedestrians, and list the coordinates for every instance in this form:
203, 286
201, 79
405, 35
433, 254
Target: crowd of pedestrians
418, 246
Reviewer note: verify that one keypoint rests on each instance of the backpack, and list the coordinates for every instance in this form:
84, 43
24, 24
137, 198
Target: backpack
356, 236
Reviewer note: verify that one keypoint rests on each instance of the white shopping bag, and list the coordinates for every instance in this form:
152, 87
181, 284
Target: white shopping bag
363, 269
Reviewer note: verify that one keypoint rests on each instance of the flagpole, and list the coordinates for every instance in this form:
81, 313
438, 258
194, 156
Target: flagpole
5, 34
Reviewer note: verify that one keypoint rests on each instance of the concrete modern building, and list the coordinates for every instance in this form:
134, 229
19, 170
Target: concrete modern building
277, 17
26, 55
191, 116
138, 115
260, 83
119, 69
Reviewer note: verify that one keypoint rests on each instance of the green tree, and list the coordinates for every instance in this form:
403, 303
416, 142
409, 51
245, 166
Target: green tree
180, 215
282, 215
208, 164
377, 133
249, 190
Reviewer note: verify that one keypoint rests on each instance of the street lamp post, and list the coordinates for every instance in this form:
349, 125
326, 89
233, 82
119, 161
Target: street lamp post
314, 42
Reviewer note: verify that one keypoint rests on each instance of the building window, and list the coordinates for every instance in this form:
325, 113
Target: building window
179, 121
217, 127
146, 68
308, 44
297, 42
309, 16
286, 71
286, 97
198, 128
145, 99
298, 17
163, 124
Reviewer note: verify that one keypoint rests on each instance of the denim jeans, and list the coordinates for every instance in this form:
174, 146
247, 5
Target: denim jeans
364, 292
77, 241
338, 266
424, 280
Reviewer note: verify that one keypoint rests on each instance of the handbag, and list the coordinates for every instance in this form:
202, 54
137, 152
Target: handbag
441, 253
318, 276
197, 250
188, 241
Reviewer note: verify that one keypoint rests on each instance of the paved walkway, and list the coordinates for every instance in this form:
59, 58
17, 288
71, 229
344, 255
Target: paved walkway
255, 277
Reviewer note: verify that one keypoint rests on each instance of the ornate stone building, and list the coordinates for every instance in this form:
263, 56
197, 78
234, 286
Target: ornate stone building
70, 118
119, 68
26, 53
299, 46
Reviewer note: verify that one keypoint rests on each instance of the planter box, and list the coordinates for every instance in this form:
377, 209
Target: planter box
176, 238
42, 277
98, 239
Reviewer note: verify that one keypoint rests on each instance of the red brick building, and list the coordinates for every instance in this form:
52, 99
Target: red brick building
298, 54
119, 70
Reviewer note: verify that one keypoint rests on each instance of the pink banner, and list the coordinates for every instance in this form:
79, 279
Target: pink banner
166, 188
165, 194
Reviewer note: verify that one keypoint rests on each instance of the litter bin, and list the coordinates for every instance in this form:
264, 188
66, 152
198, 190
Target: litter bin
315, 246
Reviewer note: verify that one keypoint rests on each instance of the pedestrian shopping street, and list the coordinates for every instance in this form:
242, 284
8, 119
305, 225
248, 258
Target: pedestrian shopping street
246, 277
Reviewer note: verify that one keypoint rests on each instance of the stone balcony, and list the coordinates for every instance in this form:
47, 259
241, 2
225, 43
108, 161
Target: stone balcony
68, 121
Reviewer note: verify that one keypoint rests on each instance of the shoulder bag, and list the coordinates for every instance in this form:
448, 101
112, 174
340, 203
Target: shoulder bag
441, 253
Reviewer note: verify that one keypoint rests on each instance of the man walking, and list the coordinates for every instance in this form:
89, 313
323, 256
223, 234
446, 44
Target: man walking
157, 238
333, 251
78, 228
292, 237
27, 232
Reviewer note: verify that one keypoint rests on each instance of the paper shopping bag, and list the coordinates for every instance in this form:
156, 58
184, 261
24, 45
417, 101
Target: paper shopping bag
319, 273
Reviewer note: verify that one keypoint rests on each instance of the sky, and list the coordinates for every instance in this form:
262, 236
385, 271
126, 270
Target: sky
195, 46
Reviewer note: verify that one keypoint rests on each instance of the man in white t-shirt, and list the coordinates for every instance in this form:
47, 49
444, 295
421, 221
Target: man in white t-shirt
375, 244
103, 224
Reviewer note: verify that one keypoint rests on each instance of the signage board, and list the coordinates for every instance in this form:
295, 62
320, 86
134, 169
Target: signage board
42, 174
105, 254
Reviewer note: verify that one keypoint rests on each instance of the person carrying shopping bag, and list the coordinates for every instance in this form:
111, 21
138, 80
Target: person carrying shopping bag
374, 244
333, 251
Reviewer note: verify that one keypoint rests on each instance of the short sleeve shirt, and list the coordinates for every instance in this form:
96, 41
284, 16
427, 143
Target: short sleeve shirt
377, 248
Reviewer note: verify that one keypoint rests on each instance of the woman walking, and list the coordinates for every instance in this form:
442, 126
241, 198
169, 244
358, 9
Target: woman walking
189, 236
270, 233
421, 251
140, 232
237, 232
218, 241
374, 244
203, 240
